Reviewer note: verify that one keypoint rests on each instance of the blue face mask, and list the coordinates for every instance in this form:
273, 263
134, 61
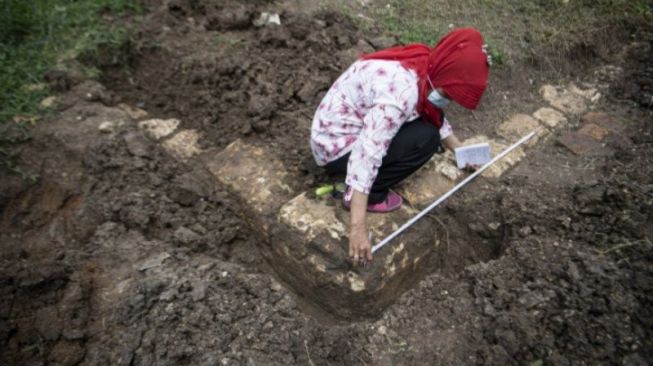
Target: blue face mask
437, 100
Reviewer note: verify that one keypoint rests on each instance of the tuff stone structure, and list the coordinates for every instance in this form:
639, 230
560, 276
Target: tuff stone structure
564, 100
183, 145
133, 112
254, 174
520, 125
305, 238
550, 117
159, 128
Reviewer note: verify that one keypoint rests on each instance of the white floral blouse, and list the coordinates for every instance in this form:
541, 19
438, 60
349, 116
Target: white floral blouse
362, 112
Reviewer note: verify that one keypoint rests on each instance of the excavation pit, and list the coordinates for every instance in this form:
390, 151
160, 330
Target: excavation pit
305, 239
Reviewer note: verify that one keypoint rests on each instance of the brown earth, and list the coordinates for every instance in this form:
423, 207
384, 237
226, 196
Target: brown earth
119, 254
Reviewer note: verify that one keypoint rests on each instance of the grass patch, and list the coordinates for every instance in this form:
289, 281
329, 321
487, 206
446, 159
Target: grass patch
34, 36
409, 25
519, 29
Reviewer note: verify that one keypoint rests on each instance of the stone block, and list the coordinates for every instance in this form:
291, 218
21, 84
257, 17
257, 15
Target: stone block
592, 94
615, 126
309, 252
581, 144
594, 131
503, 164
159, 128
550, 117
133, 112
446, 165
563, 100
520, 125
311, 217
253, 174
431, 181
184, 145
110, 126
48, 102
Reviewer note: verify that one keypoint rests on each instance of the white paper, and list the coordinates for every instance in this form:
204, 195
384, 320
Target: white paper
477, 154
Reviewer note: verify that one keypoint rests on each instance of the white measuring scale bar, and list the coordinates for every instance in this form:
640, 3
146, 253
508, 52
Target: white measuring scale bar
452, 191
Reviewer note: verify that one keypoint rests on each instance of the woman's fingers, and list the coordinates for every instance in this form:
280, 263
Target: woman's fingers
360, 250
369, 253
353, 252
360, 254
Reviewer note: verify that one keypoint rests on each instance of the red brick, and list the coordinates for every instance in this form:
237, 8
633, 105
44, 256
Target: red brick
581, 144
594, 131
603, 120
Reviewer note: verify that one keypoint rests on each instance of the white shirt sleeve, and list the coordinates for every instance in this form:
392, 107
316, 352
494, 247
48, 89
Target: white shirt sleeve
445, 130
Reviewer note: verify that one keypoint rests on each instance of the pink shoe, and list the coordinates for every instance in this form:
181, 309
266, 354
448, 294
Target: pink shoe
392, 202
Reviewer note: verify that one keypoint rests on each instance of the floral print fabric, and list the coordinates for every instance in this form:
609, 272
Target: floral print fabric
361, 113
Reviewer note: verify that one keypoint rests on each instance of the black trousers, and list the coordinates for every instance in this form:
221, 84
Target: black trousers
413, 145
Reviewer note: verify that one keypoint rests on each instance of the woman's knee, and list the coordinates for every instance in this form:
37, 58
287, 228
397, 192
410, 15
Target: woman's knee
426, 135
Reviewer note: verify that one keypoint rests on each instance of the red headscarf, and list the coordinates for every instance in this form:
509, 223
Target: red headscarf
457, 64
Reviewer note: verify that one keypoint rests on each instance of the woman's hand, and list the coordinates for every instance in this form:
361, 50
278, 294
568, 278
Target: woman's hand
471, 167
360, 249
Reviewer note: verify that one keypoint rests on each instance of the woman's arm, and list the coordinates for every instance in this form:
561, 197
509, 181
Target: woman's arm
451, 142
381, 125
360, 249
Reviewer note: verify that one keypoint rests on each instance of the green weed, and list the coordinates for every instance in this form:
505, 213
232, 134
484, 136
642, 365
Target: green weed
400, 21
498, 56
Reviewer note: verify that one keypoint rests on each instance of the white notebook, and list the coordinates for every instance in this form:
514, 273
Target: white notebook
477, 154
